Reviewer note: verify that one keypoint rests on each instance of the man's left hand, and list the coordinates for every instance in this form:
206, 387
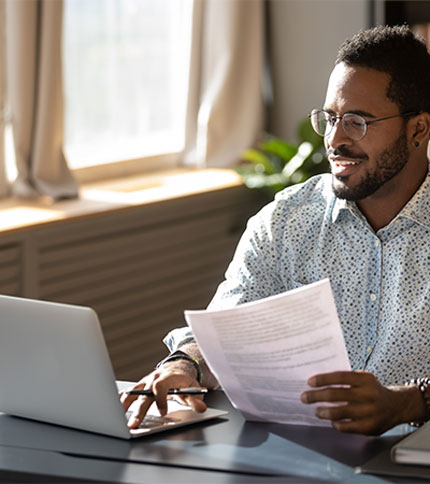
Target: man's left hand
362, 404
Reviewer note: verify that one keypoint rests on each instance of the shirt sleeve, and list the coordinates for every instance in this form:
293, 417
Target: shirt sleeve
252, 274
178, 337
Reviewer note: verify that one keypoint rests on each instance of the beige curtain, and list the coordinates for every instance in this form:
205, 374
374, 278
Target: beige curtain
34, 83
225, 102
4, 185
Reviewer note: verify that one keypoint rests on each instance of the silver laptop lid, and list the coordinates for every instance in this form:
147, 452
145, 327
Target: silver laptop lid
54, 367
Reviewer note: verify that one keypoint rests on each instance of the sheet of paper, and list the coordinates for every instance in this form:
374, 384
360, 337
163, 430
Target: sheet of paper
263, 352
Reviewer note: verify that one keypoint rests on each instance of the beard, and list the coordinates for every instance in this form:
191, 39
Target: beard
388, 165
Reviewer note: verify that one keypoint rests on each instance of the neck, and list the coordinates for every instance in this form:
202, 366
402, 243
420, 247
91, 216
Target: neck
383, 206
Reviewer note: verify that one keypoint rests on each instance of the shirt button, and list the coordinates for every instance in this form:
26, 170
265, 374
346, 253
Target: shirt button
376, 243
373, 297
369, 349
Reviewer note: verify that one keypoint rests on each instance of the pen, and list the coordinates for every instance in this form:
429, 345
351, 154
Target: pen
172, 391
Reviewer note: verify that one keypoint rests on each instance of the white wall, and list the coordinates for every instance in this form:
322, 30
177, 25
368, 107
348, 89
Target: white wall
305, 36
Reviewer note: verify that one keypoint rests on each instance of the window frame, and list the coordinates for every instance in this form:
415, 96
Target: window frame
127, 167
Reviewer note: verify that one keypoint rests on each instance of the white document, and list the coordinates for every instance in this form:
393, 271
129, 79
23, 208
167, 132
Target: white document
263, 352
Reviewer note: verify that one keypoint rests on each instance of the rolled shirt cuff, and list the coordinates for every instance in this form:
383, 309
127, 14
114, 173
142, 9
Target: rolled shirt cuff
178, 337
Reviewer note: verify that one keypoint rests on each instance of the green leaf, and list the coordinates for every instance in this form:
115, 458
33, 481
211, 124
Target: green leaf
258, 158
304, 151
277, 164
270, 184
280, 148
307, 133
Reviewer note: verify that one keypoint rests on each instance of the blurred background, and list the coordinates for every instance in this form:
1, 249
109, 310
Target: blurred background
122, 123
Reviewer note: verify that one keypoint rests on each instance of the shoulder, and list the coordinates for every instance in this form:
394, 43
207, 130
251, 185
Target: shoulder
313, 196
316, 189
296, 206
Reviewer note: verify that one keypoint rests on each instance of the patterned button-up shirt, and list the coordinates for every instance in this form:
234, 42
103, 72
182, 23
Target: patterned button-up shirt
380, 281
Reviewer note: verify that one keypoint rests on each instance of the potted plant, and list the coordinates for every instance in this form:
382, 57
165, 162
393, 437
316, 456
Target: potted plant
275, 164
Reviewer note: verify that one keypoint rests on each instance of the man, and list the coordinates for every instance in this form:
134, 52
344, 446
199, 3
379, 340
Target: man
366, 227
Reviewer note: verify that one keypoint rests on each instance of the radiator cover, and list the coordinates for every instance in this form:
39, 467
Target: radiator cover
139, 267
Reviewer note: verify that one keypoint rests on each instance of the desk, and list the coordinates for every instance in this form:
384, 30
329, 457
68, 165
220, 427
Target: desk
226, 450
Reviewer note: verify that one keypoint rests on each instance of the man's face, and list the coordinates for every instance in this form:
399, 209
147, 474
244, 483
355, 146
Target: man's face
371, 165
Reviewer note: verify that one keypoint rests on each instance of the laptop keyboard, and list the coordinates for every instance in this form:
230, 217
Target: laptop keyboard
151, 421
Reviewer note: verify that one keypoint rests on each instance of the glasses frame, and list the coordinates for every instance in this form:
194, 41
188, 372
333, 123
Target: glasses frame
335, 118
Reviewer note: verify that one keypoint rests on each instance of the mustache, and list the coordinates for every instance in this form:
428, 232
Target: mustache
344, 151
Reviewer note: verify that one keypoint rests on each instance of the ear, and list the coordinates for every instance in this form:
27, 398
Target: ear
418, 129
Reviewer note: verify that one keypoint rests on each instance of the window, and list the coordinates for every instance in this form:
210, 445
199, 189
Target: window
126, 67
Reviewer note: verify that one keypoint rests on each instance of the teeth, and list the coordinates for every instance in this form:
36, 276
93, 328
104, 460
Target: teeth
346, 163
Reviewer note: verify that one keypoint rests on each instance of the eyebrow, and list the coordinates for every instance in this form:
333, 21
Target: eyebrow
360, 112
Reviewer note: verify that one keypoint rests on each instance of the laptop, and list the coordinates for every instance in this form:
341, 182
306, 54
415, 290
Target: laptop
54, 367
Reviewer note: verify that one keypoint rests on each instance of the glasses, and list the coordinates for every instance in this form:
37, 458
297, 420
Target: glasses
353, 125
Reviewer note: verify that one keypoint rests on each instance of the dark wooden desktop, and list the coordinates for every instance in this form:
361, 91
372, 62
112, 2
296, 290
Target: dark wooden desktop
226, 450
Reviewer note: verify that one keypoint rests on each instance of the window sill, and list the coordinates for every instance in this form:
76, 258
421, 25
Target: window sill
114, 195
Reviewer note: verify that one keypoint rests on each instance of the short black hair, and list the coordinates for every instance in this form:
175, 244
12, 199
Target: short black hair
400, 54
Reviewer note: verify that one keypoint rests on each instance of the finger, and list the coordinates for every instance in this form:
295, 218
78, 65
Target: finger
343, 412
140, 408
329, 395
183, 398
160, 389
355, 427
351, 378
163, 383
127, 399
196, 403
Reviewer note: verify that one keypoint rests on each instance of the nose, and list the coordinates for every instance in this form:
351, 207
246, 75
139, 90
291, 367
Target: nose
337, 136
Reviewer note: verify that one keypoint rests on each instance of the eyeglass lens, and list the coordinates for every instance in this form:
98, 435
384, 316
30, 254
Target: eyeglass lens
353, 125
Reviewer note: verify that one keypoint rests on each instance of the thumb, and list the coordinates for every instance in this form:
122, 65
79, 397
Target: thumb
197, 404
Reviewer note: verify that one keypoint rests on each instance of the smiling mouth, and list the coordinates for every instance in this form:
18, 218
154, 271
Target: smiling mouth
342, 167
344, 162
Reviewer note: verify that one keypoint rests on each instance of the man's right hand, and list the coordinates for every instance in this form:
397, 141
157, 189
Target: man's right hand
173, 374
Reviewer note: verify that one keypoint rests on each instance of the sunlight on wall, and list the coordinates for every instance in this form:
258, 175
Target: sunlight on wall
11, 171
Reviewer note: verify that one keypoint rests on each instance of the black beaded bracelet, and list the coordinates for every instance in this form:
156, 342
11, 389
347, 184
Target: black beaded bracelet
423, 385
181, 355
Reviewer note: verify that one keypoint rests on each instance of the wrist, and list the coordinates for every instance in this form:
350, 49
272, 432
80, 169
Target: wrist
181, 356
208, 379
182, 367
411, 406
422, 387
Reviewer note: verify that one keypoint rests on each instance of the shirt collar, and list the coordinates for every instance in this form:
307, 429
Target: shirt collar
417, 209
340, 206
